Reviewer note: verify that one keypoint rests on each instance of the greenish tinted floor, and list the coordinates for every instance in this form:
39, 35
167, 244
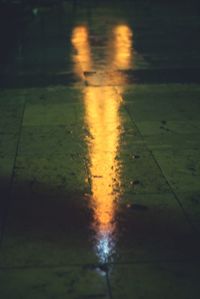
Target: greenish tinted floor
70, 100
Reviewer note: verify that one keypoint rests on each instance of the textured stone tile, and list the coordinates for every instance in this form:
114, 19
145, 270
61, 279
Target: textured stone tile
52, 106
65, 282
153, 227
169, 134
140, 172
156, 280
54, 95
8, 144
51, 231
181, 167
153, 110
149, 128
191, 204
11, 110
164, 102
172, 141
142, 92
63, 172
8, 147
6, 170
48, 114
52, 141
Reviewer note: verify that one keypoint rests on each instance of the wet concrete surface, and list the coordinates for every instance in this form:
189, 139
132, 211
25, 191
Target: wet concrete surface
99, 150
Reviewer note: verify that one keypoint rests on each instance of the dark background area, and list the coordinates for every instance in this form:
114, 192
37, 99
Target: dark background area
166, 34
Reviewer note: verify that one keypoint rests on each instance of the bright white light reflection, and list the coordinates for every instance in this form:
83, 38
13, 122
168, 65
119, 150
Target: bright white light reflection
105, 247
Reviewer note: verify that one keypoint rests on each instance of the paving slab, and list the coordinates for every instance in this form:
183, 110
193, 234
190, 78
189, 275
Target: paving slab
64, 172
49, 114
11, 109
170, 128
54, 94
152, 227
172, 141
8, 147
52, 141
190, 202
140, 173
130, 137
155, 280
11, 114
48, 231
63, 282
181, 168
163, 103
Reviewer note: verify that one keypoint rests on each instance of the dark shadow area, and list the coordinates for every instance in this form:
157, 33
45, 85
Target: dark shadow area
14, 16
35, 39
42, 221
159, 76
47, 219
38, 80
26, 39
147, 76
153, 232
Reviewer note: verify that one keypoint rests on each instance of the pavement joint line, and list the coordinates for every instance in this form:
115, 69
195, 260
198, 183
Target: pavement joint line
9, 196
96, 265
110, 294
157, 261
29, 267
168, 183
131, 193
187, 217
148, 193
190, 222
196, 229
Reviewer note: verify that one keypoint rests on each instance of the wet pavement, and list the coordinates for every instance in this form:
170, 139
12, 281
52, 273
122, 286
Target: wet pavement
100, 150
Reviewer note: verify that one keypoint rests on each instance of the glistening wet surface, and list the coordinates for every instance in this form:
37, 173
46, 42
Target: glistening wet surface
104, 126
99, 150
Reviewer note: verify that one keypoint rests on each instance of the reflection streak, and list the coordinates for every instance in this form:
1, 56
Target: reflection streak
122, 47
82, 57
103, 122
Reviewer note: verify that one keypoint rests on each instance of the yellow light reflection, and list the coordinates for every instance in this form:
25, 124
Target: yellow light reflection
120, 52
122, 58
82, 57
103, 121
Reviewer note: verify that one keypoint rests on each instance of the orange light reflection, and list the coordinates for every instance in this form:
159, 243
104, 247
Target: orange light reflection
122, 58
103, 122
82, 57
